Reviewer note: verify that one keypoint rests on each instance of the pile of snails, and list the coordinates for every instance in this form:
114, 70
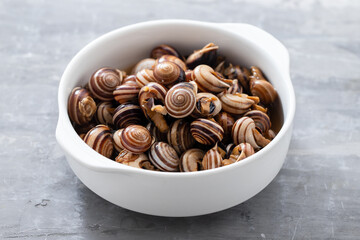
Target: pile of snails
172, 113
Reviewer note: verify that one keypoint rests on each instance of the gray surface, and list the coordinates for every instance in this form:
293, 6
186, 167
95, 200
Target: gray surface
316, 194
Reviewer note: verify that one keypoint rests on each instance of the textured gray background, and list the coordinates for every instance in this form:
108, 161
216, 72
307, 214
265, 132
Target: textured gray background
316, 194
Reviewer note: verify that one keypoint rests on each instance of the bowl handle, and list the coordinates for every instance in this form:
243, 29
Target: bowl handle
263, 39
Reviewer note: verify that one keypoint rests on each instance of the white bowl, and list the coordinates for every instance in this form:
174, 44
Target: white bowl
177, 194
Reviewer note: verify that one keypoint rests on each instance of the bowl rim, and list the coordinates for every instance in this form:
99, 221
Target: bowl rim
64, 123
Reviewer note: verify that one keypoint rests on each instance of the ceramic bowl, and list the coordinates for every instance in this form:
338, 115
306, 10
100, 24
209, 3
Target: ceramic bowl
177, 194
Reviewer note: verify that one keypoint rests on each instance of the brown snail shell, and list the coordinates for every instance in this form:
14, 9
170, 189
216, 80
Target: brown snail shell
164, 49
238, 153
189, 75
179, 136
99, 138
242, 74
257, 73
148, 95
164, 157
104, 113
135, 139
144, 77
156, 133
81, 106
207, 105
260, 139
172, 58
127, 92
235, 87
180, 100
229, 149
207, 55
235, 103
191, 160
261, 119
270, 134
243, 132
208, 80
127, 114
104, 81
134, 160
226, 121
116, 140
168, 72
263, 89
206, 131
212, 159
147, 63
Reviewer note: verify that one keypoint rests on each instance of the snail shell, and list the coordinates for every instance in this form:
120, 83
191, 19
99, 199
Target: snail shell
235, 88
179, 136
99, 138
235, 103
263, 89
206, 131
104, 113
144, 77
257, 73
242, 132
156, 133
190, 161
270, 134
239, 152
127, 114
81, 106
229, 149
212, 159
104, 81
189, 75
226, 121
260, 139
242, 74
207, 105
147, 63
127, 92
208, 80
180, 100
207, 55
172, 58
116, 140
164, 49
134, 160
135, 139
261, 119
167, 72
164, 157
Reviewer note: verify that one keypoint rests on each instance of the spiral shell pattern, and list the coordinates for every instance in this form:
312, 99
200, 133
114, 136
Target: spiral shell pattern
116, 140
179, 136
235, 103
104, 81
99, 138
127, 92
207, 55
207, 105
167, 72
144, 77
172, 58
126, 115
190, 161
206, 131
261, 119
212, 159
104, 113
81, 106
135, 139
164, 49
164, 157
208, 80
242, 132
147, 63
263, 89
180, 100
226, 121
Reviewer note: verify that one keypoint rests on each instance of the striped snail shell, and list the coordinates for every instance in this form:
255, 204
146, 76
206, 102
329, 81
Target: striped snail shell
81, 106
147, 63
235, 103
104, 113
164, 157
172, 58
243, 132
99, 138
134, 160
104, 81
260, 139
145, 76
135, 139
263, 89
242, 74
116, 140
190, 161
164, 49
127, 92
180, 100
212, 159
206, 131
167, 72
235, 87
156, 133
261, 119
238, 153
257, 73
207, 105
208, 80
127, 114
207, 55
229, 149
226, 121
179, 136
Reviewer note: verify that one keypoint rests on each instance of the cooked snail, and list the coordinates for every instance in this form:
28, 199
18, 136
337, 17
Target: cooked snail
145, 76
235, 87
207, 55
180, 100
164, 157
172, 58
243, 132
81, 106
226, 121
208, 80
168, 72
238, 153
135, 139
206, 131
147, 63
164, 49
104, 113
179, 136
235, 103
99, 138
257, 73
263, 89
261, 119
116, 140
127, 114
156, 133
212, 159
242, 74
191, 160
127, 92
134, 160
207, 105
